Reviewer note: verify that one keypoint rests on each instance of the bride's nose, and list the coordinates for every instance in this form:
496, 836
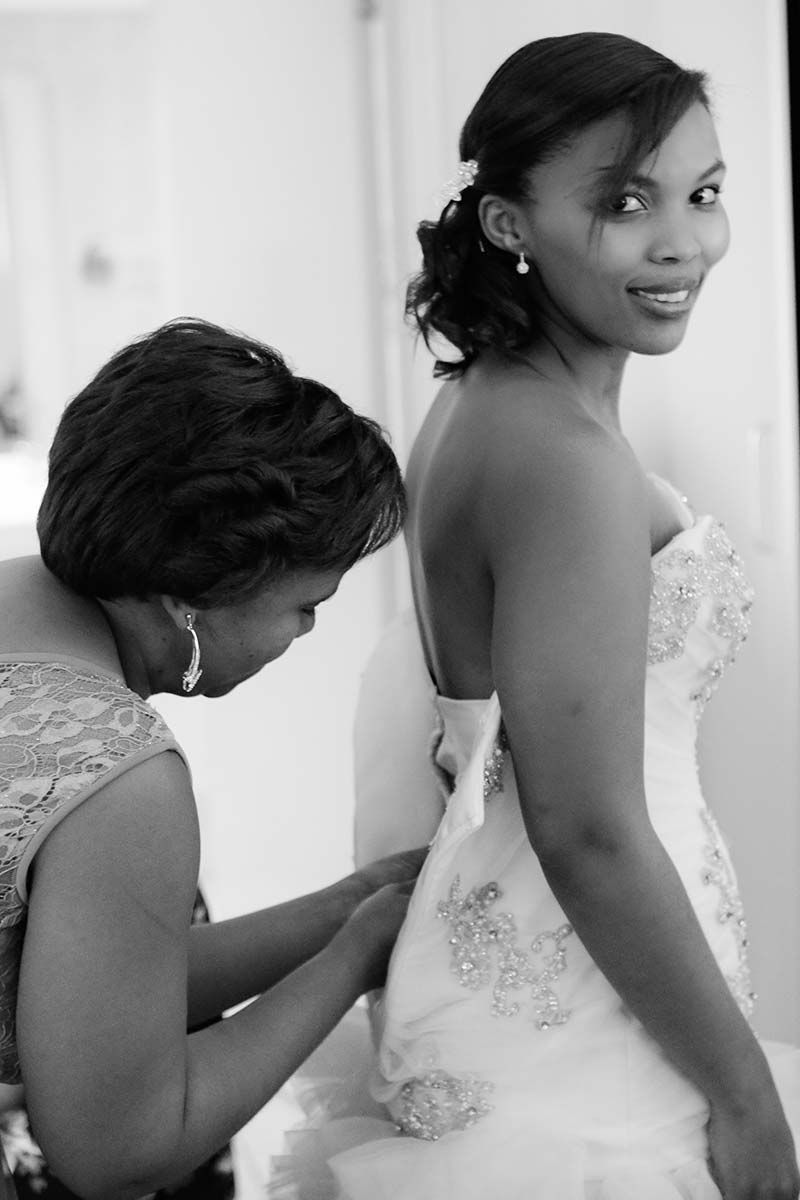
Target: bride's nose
675, 240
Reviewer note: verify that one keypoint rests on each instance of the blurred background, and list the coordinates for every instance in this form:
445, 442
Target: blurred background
263, 165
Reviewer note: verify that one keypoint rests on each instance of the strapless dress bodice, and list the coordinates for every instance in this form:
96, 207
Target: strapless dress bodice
505, 1059
700, 601
483, 906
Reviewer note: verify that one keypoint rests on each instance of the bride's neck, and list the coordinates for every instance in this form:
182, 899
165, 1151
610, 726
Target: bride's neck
589, 372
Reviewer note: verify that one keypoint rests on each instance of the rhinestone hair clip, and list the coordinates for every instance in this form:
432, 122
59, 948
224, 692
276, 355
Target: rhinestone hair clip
464, 177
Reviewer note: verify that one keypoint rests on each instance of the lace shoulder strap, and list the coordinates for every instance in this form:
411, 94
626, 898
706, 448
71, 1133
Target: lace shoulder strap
64, 732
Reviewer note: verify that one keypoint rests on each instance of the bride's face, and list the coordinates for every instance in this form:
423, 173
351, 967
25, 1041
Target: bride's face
625, 271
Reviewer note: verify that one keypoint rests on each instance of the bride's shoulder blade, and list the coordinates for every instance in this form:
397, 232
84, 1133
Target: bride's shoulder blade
543, 456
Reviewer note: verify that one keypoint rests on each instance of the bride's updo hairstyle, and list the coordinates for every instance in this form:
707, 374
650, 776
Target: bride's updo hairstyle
196, 464
468, 291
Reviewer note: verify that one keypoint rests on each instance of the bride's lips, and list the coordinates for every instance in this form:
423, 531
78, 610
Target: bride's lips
666, 298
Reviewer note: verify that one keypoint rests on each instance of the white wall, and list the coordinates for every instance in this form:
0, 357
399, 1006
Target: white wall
265, 194
77, 125
700, 415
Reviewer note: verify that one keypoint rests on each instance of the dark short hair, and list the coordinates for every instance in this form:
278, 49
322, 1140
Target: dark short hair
543, 95
196, 464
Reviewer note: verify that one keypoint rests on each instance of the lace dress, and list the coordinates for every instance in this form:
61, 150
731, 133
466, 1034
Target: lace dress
504, 1062
66, 729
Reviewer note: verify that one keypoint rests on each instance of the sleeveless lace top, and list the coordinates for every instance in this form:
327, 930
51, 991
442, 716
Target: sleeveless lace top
66, 729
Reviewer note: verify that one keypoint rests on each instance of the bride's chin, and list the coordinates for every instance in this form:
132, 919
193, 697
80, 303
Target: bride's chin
664, 340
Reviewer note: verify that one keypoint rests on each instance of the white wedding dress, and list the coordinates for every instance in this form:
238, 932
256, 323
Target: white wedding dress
505, 1064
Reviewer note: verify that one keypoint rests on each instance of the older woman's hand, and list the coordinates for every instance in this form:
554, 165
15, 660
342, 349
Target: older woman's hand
394, 868
373, 930
381, 891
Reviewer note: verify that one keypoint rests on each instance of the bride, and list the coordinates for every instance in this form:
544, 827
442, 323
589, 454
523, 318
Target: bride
566, 1013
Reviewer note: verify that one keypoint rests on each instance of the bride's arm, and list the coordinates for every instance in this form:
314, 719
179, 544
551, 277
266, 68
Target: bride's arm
567, 539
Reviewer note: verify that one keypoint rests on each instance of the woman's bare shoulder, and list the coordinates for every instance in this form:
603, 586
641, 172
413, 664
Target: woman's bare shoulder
505, 449
541, 450
139, 830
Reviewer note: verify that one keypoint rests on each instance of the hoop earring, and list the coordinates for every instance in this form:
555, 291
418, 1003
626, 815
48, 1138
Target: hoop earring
522, 267
194, 670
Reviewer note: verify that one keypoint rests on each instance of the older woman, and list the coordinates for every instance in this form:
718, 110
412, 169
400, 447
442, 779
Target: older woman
202, 501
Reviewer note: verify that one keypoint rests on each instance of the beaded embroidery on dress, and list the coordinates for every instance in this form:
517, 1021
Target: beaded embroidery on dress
506, 1062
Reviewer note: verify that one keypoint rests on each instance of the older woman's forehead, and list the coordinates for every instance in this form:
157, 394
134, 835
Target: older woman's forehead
308, 586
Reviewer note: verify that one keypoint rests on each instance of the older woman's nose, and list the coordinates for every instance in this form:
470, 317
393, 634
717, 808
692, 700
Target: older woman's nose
307, 622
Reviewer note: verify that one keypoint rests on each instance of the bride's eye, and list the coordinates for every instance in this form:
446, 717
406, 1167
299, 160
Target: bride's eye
627, 204
707, 195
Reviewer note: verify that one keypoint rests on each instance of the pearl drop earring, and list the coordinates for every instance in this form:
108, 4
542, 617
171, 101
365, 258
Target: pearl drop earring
522, 266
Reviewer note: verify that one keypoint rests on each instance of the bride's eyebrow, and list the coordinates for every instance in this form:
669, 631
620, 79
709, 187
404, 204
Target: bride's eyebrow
647, 181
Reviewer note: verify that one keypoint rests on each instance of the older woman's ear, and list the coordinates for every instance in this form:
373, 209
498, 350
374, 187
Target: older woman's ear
177, 610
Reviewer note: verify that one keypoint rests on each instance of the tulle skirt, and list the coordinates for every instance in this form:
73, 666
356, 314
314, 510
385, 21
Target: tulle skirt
345, 1146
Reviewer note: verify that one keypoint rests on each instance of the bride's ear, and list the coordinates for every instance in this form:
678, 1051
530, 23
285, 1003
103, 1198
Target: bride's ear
502, 224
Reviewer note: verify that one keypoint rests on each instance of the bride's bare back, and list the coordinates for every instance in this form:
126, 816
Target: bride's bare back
479, 432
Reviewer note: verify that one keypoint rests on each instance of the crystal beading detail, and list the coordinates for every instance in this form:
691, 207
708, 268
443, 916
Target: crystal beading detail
494, 766
681, 581
437, 1103
718, 873
477, 935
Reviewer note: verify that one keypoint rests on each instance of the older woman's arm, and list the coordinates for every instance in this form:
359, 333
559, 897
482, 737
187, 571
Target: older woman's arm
122, 1099
232, 960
